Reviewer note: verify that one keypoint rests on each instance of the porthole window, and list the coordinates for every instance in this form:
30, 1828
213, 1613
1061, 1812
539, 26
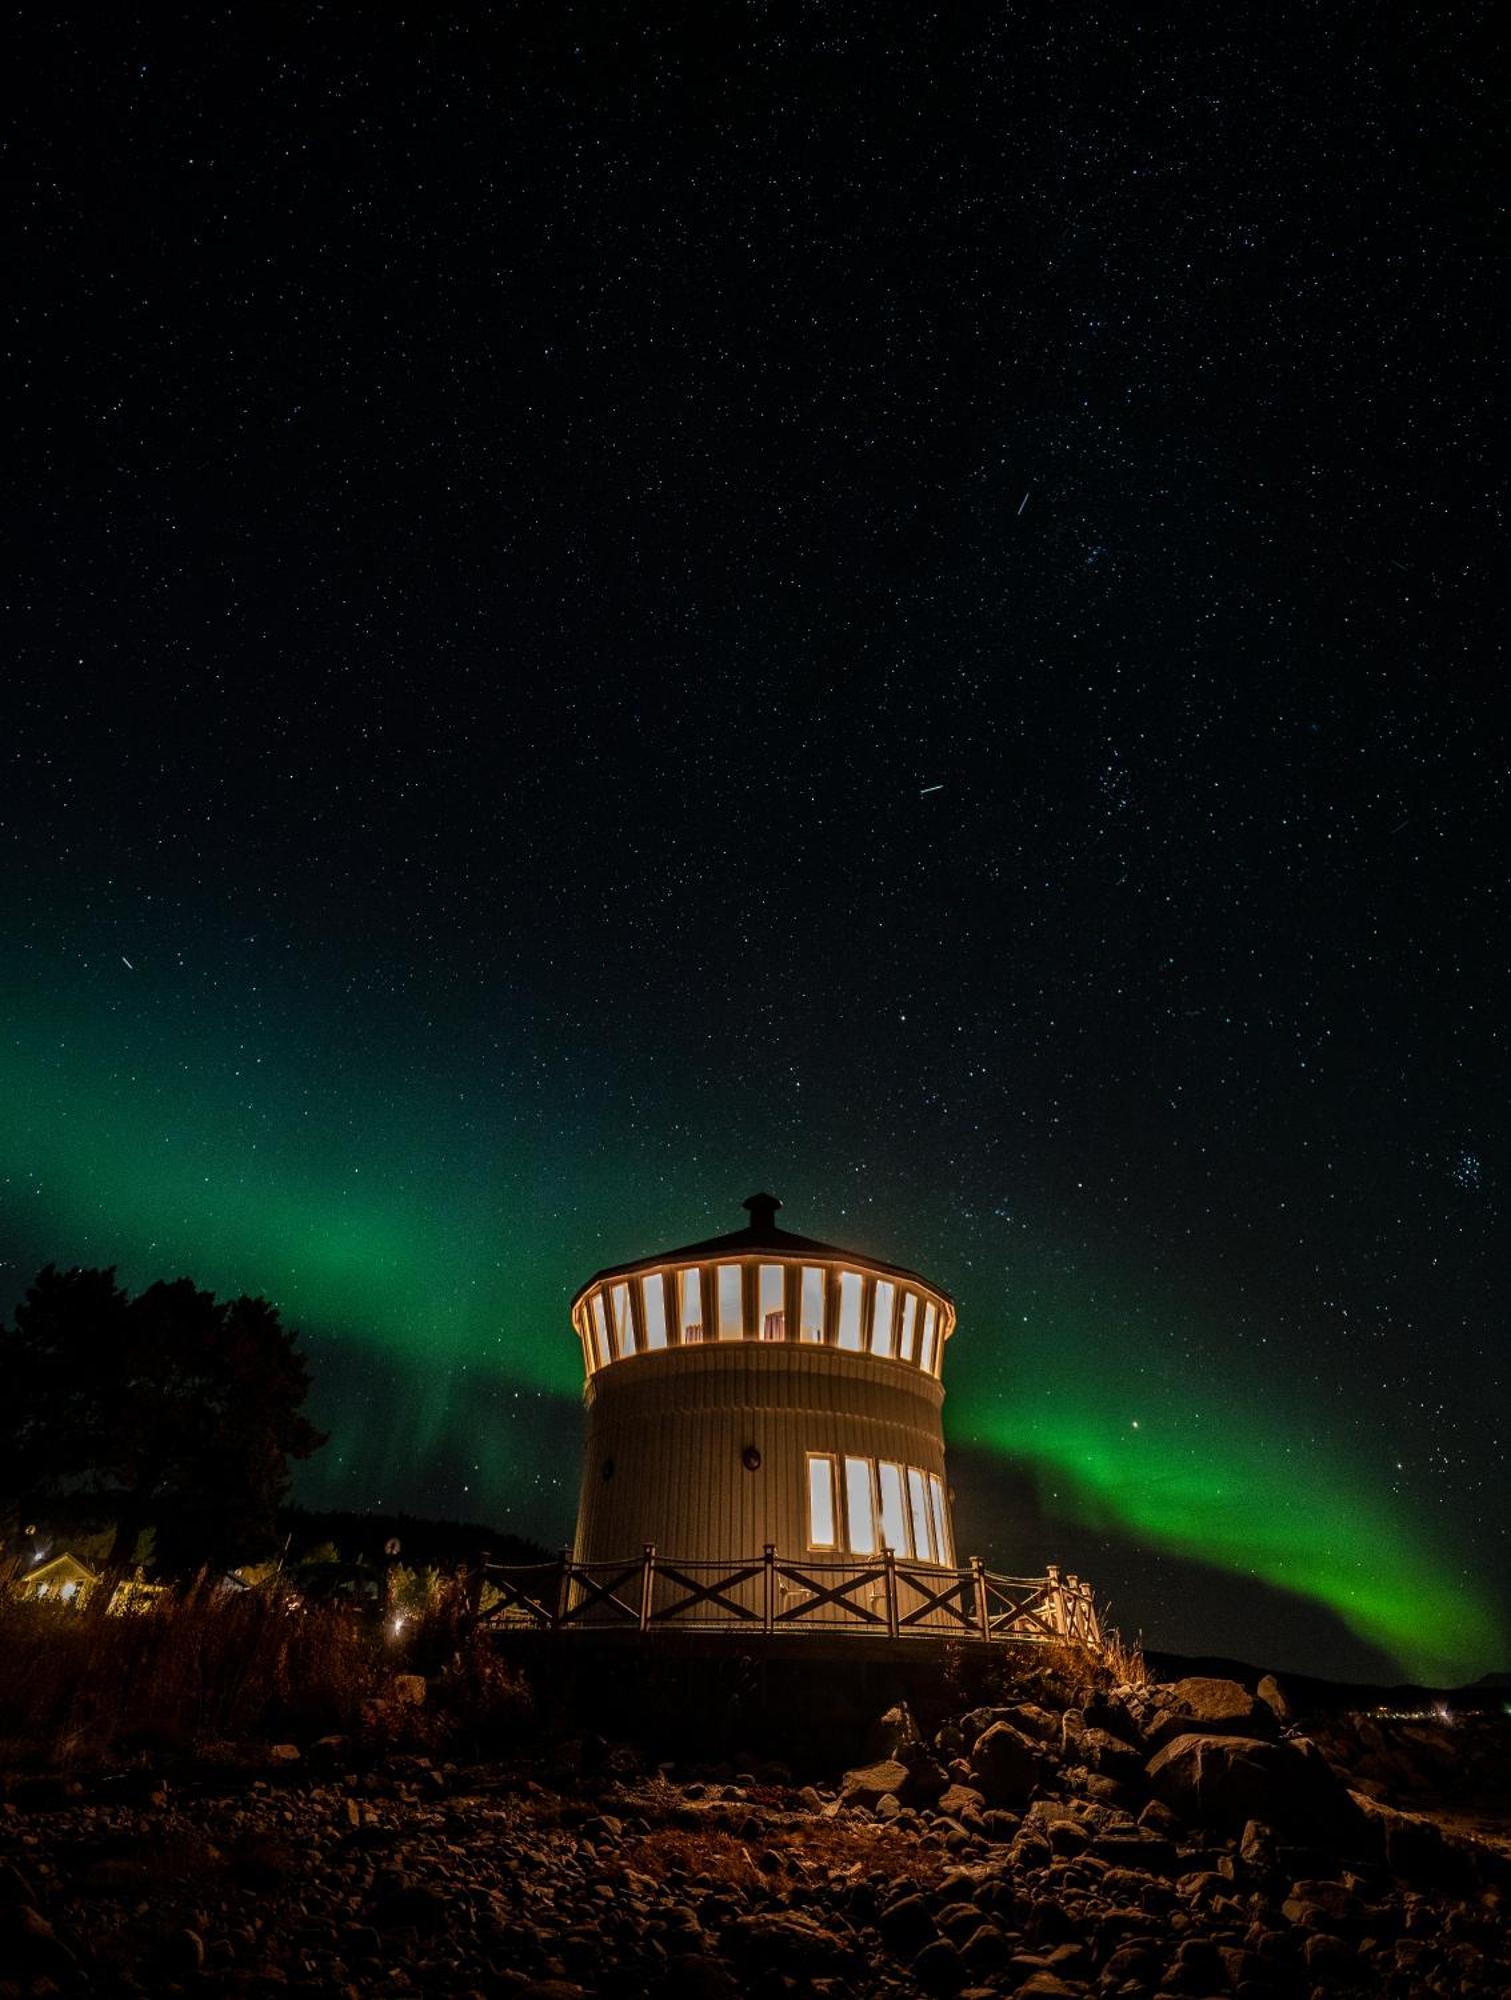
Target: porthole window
750, 1458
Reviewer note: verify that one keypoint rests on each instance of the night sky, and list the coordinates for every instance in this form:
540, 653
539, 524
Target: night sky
611, 605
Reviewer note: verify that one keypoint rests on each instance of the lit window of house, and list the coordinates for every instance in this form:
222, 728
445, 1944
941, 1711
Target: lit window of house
930, 1338
690, 1305
812, 1309
881, 1316
653, 1309
772, 1305
849, 1309
894, 1514
821, 1518
936, 1508
600, 1330
918, 1507
860, 1507
731, 1306
909, 1332
624, 1331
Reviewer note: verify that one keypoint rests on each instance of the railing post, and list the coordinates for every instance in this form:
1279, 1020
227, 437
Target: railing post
983, 1613
1056, 1594
1073, 1606
768, 1587
647, 1580
889, 1581
563, 1591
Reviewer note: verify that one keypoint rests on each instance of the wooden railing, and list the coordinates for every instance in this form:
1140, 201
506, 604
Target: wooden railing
884, 1596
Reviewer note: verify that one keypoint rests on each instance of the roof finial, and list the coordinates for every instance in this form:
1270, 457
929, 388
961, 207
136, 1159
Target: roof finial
762, 1210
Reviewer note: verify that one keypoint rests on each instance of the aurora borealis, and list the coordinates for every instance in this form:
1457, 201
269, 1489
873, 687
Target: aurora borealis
606, 613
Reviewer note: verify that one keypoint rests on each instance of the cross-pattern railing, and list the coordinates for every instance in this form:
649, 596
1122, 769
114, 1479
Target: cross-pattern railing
885, 1596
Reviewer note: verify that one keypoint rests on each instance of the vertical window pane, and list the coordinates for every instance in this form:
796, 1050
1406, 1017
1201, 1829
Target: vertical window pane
881, 1316
624, 1331
941, 1532
909, 1325
813, 1304
600, 1330
690, 1305
820, 1500
930, 1332
731, 1310
860, 1514
918, 1504
894, 1514
773, 1310
849, 1310
653, 1306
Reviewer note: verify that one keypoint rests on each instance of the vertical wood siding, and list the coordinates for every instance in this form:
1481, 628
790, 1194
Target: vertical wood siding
675, 1426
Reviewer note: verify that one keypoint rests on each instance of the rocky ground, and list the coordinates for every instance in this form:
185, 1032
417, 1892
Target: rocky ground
1185, 1839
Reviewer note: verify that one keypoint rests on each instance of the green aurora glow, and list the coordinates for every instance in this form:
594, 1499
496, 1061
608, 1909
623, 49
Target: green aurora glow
431, 1244
1120, 1437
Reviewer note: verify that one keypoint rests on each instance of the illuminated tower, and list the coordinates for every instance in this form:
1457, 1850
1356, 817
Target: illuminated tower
761, 1388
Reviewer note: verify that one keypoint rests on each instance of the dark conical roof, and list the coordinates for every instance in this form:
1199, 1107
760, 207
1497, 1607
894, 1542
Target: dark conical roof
760, 1233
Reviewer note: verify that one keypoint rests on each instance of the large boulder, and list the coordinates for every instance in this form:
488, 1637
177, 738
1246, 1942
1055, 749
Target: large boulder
1205, 1706
892, 1733
1007, 1766
1225, 1781
868, 1784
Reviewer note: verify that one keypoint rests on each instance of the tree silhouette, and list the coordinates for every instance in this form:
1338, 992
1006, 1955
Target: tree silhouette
181, 1412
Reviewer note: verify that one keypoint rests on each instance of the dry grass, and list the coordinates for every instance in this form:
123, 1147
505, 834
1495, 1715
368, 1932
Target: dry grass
77, 1685
813, 1850
1116, 1662
80, 1687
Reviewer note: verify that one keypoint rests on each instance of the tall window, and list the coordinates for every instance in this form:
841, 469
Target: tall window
731, 1306
881, 1316
624, 1332
773, 1312
918, 1507
930, 1337
909, 1332
812, 1308
653, 1309
849, 1310
690, 1305
936, 1508
821, 1518
600, 1330
894, 1515
860, 1507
